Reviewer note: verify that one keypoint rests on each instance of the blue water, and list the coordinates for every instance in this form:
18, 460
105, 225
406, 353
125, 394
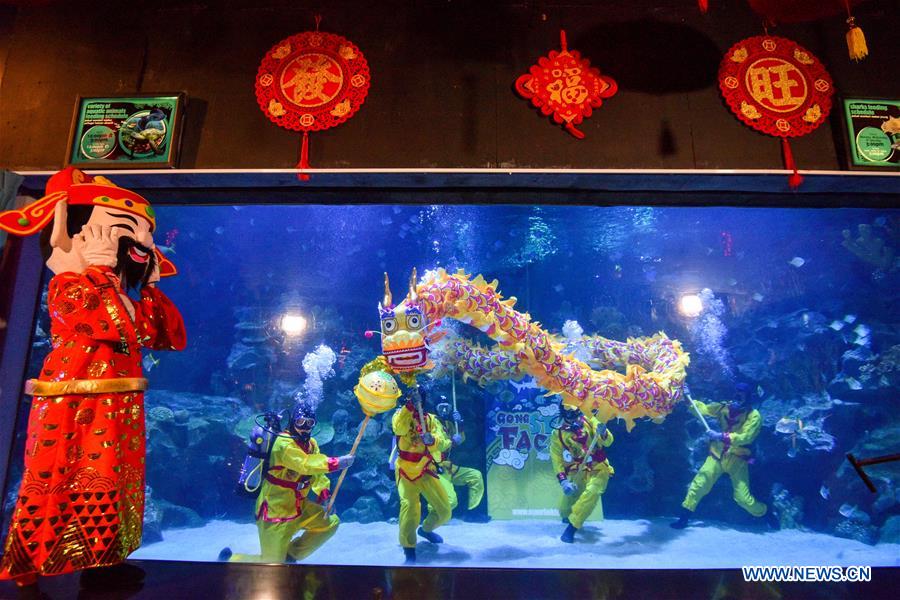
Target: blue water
813, 326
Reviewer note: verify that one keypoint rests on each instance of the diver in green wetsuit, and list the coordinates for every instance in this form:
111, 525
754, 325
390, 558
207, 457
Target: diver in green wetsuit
738, 424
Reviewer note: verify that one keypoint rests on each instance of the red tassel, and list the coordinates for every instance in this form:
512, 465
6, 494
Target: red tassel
704, 5
571, 129
304, 158
562, 40
795, 179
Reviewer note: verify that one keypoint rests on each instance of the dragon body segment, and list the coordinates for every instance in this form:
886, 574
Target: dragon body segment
654, 367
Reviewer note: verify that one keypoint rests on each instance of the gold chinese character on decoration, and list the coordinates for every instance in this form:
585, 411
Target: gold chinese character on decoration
311, 80
567, 88
776, 84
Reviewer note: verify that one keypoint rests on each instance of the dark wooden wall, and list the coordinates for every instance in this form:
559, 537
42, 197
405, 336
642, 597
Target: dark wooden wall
442, 80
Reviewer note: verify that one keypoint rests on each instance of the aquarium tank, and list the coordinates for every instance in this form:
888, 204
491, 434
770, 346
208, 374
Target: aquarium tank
735, 354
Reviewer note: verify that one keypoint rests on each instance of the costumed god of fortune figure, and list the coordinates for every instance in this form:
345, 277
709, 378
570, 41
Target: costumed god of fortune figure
81, 500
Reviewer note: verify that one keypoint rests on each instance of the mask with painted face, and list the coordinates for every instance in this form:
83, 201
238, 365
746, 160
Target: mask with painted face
403, 330
74, 201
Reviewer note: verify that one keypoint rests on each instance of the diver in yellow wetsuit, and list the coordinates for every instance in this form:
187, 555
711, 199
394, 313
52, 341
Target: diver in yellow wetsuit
738, 424
283, 509
583, 478
419, 450
451, 474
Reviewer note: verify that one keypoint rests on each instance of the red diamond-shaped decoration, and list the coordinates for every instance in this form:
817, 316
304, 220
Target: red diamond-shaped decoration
565, 86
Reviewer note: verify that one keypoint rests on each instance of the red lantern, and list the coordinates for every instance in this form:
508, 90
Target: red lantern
777, 87
312, 81
565, 85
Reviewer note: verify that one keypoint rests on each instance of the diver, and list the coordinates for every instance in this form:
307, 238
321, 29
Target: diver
420, 441
578, 451
737, 425
283, 508
451, 474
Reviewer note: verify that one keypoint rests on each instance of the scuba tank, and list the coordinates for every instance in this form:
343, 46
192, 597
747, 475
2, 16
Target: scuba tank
262, 436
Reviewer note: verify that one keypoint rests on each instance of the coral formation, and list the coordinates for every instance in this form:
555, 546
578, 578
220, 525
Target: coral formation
251, 357
870, 248
888, 365
609, 322
538, 243
788, 507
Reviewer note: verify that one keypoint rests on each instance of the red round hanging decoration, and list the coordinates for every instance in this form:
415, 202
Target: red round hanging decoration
566, 86
312, 81
777, 87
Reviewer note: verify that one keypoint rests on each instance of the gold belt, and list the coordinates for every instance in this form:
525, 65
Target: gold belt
35, 387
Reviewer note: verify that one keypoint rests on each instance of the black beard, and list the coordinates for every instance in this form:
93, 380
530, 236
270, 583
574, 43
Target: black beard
131, 273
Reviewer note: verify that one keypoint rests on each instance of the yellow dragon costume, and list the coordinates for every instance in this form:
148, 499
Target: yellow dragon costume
654, 367
651, 385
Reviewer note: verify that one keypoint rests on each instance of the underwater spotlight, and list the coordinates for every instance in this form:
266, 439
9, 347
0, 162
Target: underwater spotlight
690, 305
293, 324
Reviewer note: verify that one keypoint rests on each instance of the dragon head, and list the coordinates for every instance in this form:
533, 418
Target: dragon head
404, 337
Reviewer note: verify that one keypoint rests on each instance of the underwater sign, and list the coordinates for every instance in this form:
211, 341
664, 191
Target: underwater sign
126, 131
872, 130
521, 482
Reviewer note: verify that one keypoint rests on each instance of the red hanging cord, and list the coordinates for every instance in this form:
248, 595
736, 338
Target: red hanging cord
571, 129
795, 179
564, 45
304, 158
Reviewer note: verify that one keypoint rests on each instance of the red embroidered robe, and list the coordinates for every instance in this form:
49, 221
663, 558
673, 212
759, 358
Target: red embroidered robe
81, 500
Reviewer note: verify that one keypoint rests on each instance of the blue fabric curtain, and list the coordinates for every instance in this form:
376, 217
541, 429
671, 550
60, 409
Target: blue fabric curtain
9, 185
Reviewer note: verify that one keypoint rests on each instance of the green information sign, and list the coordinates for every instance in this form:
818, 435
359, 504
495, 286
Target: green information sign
872, 128
521, 480
126, 131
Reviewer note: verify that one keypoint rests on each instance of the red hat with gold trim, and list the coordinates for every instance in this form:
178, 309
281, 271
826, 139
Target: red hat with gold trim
77, 188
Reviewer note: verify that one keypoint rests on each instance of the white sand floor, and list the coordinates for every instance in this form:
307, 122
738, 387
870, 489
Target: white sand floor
620, 544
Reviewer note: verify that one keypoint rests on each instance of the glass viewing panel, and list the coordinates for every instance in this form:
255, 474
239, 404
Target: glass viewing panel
792, 311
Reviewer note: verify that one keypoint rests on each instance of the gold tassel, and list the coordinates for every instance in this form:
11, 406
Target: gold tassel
856, 41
